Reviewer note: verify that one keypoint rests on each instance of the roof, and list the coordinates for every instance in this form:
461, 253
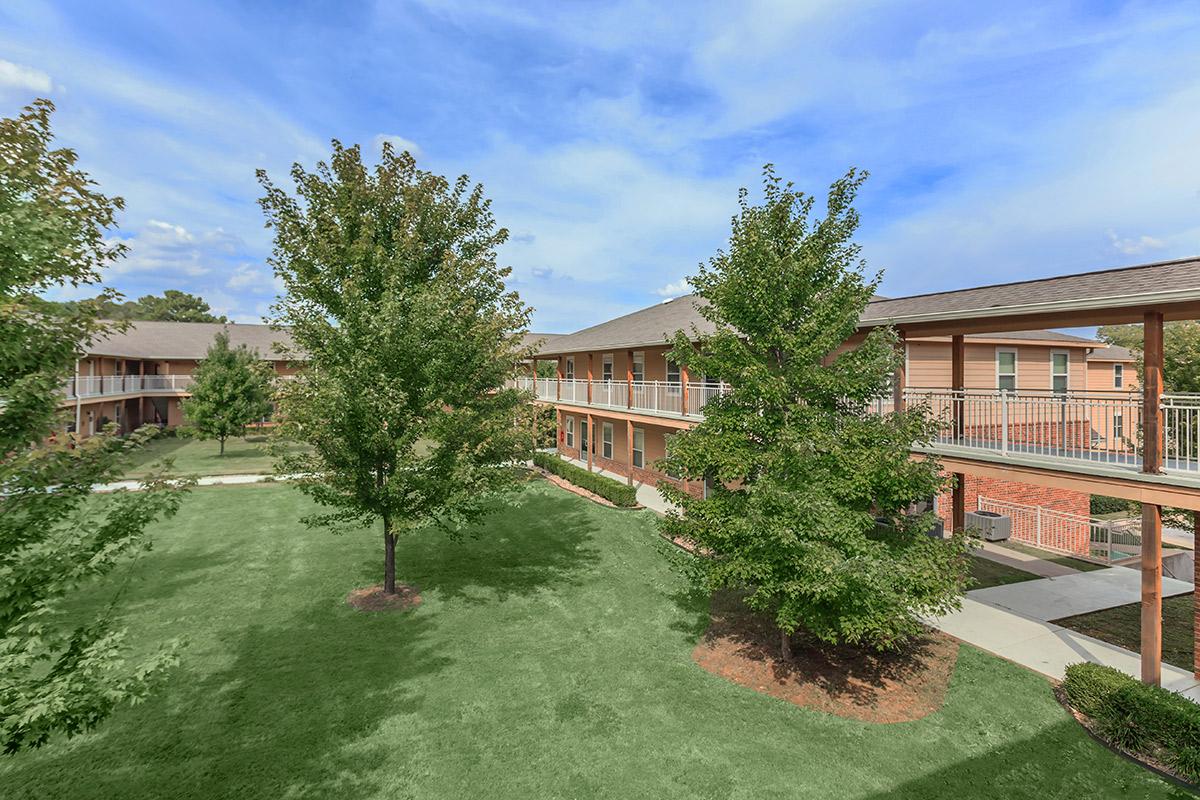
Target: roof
1113, 352
186, 340
540, 340
1162, 282
654, 324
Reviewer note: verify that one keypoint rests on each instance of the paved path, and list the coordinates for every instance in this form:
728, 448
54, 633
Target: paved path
1023, 561
208, 480
1077, 593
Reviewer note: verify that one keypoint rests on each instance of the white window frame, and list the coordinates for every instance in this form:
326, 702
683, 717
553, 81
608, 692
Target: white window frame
569, 368
1118, 376
673, 386
1118, 427
639, 453
569, 427
638, 368
606, 440
1053, 374
606, 367
1016, 368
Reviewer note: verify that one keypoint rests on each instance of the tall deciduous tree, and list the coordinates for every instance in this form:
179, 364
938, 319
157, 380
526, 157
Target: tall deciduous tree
58, 673
799, 468
1181, 351
231, 388
394, 295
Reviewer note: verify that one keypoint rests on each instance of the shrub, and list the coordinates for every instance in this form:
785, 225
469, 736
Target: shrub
615, 492
1101, 504
1147, 720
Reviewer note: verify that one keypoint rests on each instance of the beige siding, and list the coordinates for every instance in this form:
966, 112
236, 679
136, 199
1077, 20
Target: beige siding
929, 365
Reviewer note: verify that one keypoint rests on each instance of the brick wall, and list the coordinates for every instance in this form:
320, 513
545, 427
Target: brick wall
1072, 537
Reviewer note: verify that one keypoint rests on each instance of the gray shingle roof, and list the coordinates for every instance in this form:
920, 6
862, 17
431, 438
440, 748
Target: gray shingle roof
186, 340
1107, 288
1113, 353
541, 340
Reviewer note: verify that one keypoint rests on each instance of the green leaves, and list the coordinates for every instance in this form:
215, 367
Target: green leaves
394, 295
800, 468
231, 388
58, 674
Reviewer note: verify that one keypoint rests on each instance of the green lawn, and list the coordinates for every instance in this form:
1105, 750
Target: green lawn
550, 658
987, 573
1045, 555
1122, 626
198, 457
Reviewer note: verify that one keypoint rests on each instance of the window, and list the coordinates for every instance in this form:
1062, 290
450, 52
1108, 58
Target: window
570, 431
1060, 366
1006, 370
639, 366
569, 370
606, 436
606, 370
674, 377
585, 444
639, 447
1118, 429
1118, 376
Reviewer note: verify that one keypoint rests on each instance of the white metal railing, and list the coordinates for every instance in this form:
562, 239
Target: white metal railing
657, 397
86, 386
1103, 427
1181, 432
1104, 541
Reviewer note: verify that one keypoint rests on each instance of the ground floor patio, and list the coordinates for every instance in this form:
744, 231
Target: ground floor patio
550, 657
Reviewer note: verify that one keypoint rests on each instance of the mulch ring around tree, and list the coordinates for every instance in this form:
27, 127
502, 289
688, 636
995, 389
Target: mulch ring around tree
743, 647
372, 598
579, 490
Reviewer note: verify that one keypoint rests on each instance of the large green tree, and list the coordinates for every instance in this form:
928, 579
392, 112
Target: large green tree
799, 468
173, 306
230, 389
1181, 351
58, 672
395, 297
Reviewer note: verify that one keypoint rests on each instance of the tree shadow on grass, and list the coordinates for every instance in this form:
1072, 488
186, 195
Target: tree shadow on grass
1059, 763
289, 715
533, 540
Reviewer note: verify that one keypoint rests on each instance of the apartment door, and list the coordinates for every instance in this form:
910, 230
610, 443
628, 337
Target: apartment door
584, 443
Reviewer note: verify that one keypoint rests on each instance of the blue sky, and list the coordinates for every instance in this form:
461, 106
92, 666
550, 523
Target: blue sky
1005, 140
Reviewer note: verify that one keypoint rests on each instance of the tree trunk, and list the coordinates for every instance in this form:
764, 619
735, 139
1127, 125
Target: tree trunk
389, 558
221, 439
785, 645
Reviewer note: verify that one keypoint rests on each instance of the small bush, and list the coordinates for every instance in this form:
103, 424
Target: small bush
1100, 504
615, 492
1147, 720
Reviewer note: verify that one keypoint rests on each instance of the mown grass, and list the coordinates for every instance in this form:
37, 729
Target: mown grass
551, 658
1122, 626
202, 457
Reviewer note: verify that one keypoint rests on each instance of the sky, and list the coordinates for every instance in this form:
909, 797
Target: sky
1004, 140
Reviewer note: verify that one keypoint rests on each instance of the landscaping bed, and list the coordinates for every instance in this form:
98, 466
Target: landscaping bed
587, 484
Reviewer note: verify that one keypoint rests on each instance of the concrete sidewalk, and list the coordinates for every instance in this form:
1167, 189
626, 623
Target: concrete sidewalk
208, 480
1076, 593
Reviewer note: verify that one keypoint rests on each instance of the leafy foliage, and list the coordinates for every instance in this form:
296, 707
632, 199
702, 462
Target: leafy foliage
1181, 351
231, 389
173, 306
615, 492
799, 467
54, 535
394, 295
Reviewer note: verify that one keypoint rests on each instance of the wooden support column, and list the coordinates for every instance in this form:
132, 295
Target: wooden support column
629, 448
533, 369
1151, 561
591, 439
558, 428
683, 376
958, 517
558, 384
900, 379
589, 391
1196, 608
957, 381
629, 377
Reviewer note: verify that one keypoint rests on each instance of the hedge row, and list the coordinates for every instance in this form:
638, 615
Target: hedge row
615, 492
1137, 717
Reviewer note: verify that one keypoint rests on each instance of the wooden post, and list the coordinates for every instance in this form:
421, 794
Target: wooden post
558, 429
958, 517
558, 385
590, 439
629, 377
683, 376
900, 379
1151, 593
957, 381
589, 391
534, 371
629, 448
1152, 353
1196, 609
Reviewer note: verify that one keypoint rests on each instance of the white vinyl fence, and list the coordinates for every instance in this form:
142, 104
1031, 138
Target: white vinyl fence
1099, 540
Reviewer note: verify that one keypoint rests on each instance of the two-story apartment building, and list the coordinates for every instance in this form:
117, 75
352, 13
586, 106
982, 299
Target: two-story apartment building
1024, 411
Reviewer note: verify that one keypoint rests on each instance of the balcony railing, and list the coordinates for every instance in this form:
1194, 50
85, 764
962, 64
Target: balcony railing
105, 385
663, 398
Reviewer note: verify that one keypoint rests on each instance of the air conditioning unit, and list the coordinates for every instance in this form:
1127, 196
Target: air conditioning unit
992, 527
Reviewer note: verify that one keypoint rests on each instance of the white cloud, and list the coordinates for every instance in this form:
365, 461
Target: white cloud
254, 277
169, 249
676, 289
21, 78
399, 143
1135, 246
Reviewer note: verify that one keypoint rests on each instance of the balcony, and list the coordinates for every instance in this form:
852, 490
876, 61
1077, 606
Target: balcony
85, 387
656, 398
1101, 429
